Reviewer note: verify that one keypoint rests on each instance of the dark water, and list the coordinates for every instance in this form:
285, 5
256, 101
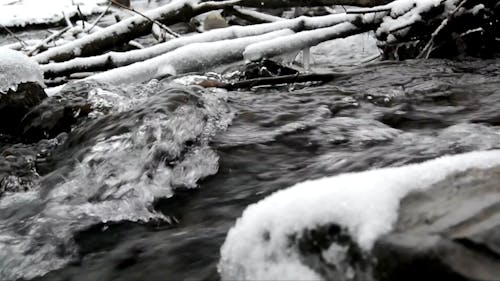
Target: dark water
148, 185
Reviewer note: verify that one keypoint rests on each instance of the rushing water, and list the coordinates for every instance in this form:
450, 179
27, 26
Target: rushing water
150, 183
147, 186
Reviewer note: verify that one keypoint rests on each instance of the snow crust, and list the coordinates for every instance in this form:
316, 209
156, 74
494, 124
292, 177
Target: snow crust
365, 203
24, 12
16, 68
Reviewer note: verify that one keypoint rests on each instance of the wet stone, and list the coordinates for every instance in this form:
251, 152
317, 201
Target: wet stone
14, 104
440, 230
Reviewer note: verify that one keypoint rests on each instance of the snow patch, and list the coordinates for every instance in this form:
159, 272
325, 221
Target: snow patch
16, 68
365, 203
24, 12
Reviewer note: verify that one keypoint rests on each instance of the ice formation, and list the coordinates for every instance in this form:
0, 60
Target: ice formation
16, 68
365, 203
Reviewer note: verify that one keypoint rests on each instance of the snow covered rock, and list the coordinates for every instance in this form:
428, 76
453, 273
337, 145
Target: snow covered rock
17, 68
21, 88
455, 223
335, 228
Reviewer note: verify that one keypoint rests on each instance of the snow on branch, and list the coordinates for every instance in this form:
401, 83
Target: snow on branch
185, 59
298, 41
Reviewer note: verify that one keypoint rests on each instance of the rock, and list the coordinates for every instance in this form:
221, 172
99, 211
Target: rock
20, 164
265, 68
214, 20
16, 103
17, 68
21, 88
58, 113
448, 232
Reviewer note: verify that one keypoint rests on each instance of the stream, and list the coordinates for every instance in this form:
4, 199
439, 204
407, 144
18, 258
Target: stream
149, 184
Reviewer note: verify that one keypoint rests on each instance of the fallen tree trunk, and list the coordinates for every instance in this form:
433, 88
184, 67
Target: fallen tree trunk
117, 59
128, 29
391, 23
310, 3
185, 59
298, 41
176, 11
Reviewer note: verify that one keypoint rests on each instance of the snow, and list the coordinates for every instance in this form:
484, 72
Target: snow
365, 203
24, 12
16, 68
405, 13
296, 42
194, 57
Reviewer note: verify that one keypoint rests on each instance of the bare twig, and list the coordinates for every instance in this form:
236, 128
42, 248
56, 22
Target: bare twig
13, 35
427, 50
82, 17
68, 21
164, 27
99, 17
48, 40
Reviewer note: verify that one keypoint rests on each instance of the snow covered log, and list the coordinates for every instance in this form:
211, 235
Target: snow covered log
118, 59
298, 41
185, 59
394, 23
129, 29
310, 3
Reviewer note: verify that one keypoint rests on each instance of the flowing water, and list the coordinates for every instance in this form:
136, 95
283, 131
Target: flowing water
147, 186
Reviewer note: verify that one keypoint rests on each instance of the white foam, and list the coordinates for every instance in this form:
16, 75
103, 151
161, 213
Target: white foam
365, 203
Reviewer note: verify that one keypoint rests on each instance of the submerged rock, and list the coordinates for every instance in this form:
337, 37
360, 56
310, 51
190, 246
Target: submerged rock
449, 232
22, 164
58, 113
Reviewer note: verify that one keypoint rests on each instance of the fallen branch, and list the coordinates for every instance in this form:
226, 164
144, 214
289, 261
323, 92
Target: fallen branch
13, 35
310, 3
129, 29
162, 26
118, 59
185, 59
426, 51
299, 41
49, 39
277, 80
251, 16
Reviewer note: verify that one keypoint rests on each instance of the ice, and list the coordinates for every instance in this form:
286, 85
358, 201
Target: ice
24, 12
16, 68
366, 204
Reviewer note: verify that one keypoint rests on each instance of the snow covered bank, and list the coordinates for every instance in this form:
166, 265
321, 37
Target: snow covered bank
25, 12
17, 68
258, 247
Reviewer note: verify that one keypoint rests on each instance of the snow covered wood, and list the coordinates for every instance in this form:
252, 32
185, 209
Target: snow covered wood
128, 29
117, 59
185, 59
